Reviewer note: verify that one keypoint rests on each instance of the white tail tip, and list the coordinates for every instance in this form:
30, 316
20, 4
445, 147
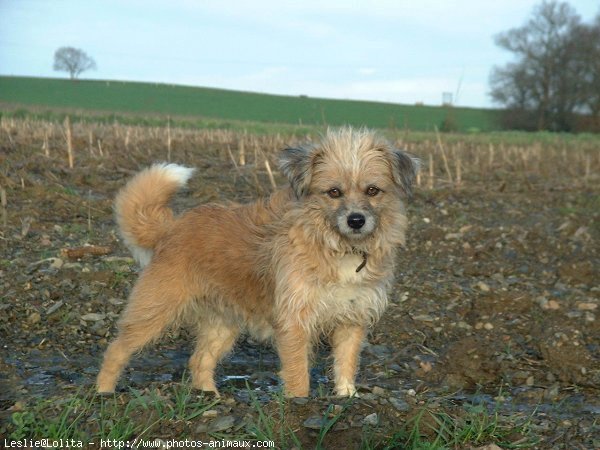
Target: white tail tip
180, 174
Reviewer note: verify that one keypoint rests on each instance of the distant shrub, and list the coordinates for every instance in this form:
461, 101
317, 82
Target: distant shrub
449, 124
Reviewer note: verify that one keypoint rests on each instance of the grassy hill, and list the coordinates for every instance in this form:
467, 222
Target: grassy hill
152, 98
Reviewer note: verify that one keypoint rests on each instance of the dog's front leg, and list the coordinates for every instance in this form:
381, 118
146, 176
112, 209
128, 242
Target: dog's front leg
293, 348
346, 342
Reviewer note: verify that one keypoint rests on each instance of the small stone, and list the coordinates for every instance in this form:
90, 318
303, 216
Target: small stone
18, 406
488, 326
34, 318
530, 380
399, 404
381, 351
452, 236
210, 413
551, 305
125, 259
552, 392
340, 426
425, 366
369, 397
54, 307
93, 317
411, 393
300, 400
379, 391
395, 367
464, 325
371, 420
202, 428
57, 263
356, 422
336, 410
423, 318
115, 301
314, 422
221, 424
587, 306
483, 287
100, 331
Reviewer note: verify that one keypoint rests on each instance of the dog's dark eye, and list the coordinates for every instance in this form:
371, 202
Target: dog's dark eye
372, 191
334, 193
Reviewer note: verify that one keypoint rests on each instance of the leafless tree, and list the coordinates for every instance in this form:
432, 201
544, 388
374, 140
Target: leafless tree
72, 60
586, 42
539, 85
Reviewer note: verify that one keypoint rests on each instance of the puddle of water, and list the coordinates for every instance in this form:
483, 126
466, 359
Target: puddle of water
568, 407
49, 373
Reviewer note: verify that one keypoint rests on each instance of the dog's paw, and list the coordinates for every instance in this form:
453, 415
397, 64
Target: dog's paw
105, 387
346, 390
212, 393
106, 393
207, 388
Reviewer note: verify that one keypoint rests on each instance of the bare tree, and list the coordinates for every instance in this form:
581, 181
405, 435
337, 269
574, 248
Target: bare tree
72, 60
539, 84
586, 42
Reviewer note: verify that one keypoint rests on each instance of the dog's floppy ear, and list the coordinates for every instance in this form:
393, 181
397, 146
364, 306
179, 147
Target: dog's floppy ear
296, 163
404, 169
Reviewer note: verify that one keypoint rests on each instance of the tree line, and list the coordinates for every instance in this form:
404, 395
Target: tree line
554, 81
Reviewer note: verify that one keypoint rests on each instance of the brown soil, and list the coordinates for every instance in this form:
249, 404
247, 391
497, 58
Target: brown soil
496, 299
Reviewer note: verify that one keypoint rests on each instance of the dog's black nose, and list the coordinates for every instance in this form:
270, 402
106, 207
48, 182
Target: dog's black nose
356, 221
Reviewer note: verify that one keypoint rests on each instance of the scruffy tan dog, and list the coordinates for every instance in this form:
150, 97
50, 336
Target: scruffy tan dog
313, 259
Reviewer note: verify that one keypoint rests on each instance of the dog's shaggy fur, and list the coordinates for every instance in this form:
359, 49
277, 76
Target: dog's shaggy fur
314, 259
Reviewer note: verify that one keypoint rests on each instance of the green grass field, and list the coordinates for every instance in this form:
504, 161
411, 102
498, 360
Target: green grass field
182, 101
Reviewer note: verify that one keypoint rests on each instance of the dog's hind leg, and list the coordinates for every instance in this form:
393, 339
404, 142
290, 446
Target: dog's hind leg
155, 302
215, 339
346, 343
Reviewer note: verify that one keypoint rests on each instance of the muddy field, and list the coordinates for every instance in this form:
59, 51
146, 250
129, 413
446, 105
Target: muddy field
496, 303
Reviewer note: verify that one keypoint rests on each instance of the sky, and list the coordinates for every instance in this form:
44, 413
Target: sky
399, 51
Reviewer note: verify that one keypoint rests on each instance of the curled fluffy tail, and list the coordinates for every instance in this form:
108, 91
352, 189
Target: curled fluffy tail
142, 210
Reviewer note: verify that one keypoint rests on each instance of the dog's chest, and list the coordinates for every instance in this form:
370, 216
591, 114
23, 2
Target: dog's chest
351, 293
348, 269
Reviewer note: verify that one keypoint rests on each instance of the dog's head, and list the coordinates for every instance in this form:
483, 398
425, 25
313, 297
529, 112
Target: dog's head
355, 178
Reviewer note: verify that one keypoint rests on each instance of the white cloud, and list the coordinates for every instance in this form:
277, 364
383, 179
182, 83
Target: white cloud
366, 71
